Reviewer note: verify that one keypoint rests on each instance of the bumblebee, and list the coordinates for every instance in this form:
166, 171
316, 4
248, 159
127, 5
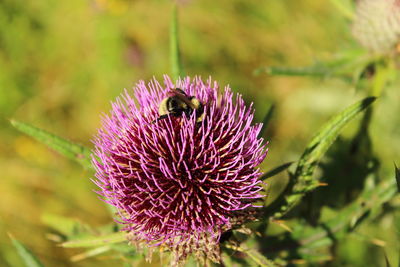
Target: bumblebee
178, 103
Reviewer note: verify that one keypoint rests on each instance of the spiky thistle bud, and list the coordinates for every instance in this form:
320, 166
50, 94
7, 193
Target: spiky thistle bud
377, 24
181, 179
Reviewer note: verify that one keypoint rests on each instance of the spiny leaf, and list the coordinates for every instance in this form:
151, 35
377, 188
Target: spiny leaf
276, 170
369, 199
66, 148
90, 253
96, 241
266, 120
26, 255
326, 136
342, 65
176, 66
293, 71
302, 181
397, 175
67, 226
253, 254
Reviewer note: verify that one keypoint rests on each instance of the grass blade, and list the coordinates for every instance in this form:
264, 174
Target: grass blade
26, 255
397, 175
96, 241
66, 148
345, 7
387, 260
176, 66
302, 181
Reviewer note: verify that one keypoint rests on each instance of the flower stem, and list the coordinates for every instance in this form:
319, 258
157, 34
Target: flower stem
176, 67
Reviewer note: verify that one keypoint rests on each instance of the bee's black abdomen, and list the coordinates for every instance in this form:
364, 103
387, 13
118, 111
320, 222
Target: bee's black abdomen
176, 107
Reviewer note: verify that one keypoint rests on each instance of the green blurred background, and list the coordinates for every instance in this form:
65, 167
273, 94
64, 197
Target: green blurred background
62, 62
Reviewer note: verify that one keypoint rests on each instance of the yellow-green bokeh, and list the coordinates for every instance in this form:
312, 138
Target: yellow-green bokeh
62, 62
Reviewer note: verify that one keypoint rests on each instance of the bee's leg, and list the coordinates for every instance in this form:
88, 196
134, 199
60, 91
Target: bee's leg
160, 118
199, 113
188, 112
200, 110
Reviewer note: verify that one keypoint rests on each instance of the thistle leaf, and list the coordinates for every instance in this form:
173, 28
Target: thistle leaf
176, 66
342, 65
369, 199
326, 136
26, 255
315, 70
64, 225
276, 170
90, 253
266, 120
96, 241
257, 257
302, 181
66, 148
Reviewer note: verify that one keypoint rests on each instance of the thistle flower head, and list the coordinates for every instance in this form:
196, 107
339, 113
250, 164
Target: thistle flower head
178, 181
377, 24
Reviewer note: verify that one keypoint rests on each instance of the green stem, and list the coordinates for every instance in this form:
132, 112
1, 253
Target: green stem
176, 66
381, 77
345, 8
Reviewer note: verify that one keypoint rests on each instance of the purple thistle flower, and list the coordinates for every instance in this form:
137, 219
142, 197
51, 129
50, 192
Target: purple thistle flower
178, 181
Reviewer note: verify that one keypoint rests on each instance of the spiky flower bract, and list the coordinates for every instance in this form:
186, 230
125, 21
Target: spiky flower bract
178, 182
377, 24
